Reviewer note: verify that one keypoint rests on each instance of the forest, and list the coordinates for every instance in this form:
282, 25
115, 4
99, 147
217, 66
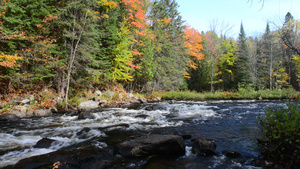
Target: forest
138, 45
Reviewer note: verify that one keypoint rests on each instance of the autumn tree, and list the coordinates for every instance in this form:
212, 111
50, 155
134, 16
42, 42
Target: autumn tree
141, 43
194, 45
226, 64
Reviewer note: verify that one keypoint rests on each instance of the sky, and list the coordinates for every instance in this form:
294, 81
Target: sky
201, 14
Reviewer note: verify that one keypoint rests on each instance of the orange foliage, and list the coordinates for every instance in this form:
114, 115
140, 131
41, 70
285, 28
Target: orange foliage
193, 43
193, 65
138, 25
136, 13
132, 65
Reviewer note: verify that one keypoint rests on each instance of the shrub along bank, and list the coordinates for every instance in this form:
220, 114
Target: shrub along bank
280, 136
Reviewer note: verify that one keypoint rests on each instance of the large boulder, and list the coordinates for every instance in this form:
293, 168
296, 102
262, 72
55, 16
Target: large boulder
39, 113
42, 112
19, 111
88, 105
204, 147
9, 117
170, 145
88, 157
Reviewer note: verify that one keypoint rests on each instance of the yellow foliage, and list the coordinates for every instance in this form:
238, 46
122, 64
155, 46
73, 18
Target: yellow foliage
9, 61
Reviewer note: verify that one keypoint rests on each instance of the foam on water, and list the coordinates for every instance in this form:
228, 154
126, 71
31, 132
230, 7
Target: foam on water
15, 156
68, 130
9, 141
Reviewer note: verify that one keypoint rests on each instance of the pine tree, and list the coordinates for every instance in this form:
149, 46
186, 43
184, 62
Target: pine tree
242, 63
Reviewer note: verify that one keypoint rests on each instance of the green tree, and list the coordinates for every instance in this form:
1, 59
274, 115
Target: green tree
242, 63
31, 30
170, 52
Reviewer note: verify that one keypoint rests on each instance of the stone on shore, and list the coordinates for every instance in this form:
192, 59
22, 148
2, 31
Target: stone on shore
88, 105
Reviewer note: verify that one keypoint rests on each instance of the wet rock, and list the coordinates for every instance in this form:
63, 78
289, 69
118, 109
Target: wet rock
39, 113
169, 145
88, 105
186, 136
143, 116
83, 132
204, 147
44, 143
89, 157
86, 115
156, 107
9, 117
231, 154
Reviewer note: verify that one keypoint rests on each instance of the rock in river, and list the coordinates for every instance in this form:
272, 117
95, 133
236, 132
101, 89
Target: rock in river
171, 145
204, 147
86, 115
44, 143
89, 157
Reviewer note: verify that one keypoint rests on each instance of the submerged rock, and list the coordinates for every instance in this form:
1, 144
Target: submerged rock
204, 147
170, 145
231, 154
86, 115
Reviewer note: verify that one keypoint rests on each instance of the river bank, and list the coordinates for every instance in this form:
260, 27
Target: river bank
47, 102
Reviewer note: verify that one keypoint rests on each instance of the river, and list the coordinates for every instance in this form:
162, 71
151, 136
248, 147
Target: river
232, 124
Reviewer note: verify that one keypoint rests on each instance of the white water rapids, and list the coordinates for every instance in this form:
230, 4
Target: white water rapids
17, 143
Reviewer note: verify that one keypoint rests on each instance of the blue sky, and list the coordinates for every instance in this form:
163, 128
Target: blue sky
200, 14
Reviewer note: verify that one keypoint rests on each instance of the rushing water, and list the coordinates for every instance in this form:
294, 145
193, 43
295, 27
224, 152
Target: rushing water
232, 124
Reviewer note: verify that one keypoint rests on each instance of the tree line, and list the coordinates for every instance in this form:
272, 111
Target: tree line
141, 45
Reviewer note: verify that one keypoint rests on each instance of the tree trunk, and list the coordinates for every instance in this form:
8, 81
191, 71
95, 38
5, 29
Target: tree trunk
73, 55
212, 74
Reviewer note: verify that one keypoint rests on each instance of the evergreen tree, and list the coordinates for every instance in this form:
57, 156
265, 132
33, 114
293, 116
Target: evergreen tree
242, 75
31, 30
266, 68
170, 52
